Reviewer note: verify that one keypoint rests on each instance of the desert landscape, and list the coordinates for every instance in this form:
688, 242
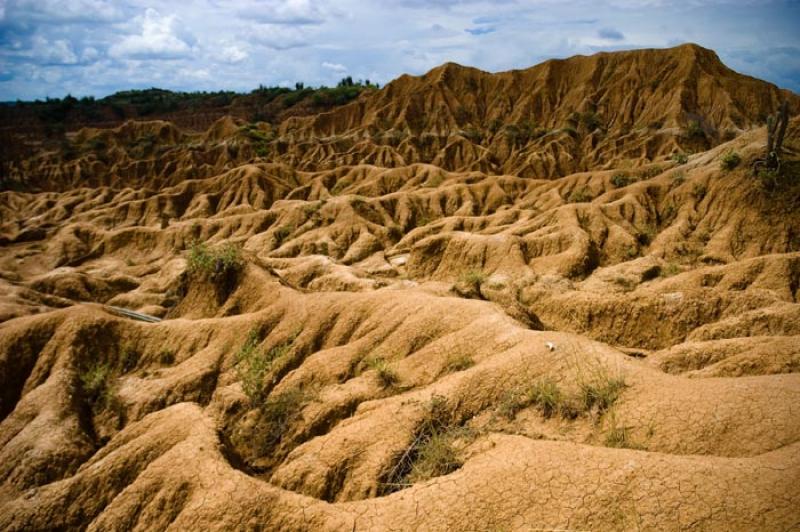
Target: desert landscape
564, 297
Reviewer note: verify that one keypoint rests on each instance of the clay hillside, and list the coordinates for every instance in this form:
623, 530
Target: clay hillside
557, 298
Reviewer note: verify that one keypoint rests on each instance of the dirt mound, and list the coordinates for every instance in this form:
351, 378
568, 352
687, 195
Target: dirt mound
306, 328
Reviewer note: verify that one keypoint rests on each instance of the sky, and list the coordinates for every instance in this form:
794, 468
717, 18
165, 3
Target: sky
96, 47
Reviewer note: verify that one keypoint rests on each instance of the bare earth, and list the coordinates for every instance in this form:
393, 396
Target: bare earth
467, 301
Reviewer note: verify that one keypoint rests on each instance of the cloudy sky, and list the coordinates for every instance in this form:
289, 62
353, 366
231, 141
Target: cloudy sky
96, 47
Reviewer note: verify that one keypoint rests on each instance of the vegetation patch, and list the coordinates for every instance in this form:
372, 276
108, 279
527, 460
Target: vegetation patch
669, 269
544, 394
679, 158
253, 364
433, 451
694, 131
207, 262
730, 160
384, 372
621, 180
600, 390
473, 278
594, 395
458, 363
580, 195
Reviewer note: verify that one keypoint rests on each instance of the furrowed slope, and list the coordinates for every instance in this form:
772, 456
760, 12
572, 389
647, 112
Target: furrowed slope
356, 339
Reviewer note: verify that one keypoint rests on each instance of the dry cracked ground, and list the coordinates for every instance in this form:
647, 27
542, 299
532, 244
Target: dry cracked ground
589, 329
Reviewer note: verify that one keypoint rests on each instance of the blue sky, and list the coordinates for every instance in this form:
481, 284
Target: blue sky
96, 47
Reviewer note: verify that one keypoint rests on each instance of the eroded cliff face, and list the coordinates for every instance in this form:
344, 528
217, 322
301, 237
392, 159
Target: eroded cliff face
418, 310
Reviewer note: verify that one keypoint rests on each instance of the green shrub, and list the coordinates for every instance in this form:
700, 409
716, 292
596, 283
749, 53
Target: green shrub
601, 390
669, 270
208, 262
432, 453
473, 278
680, 158
544, 394
621, 180
95, 380
579, 195
97, 385
547, 396
275, 417
435, 456
386, 375
458, 363
694, 130
651, 171
730, 160
253, 364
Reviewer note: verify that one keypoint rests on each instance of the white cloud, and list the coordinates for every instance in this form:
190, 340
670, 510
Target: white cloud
231, 54
335, 67
61, 11
51, 47
291, 12
160, 38
279, 37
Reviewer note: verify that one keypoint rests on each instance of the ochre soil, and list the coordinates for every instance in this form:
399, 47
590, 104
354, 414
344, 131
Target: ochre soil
574, 330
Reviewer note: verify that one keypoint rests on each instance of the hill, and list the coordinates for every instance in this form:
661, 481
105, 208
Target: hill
413, 311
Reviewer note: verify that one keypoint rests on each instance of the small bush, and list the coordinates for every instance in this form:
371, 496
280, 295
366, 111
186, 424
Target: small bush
458, 363
669, 270
432, 453
96, 382
435, 457
694, 130
680, 158
386, 375
579, 195
547, 396
678, 178
699, 191
276, 415
221, 260
600, 391
730, 160
473, 278
651, 171
252, 365
621, 180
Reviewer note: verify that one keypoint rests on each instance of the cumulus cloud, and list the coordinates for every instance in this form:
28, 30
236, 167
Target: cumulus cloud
61, 11
290, 12
160, 38
51, 47
278, 37
335, 67
231, 54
